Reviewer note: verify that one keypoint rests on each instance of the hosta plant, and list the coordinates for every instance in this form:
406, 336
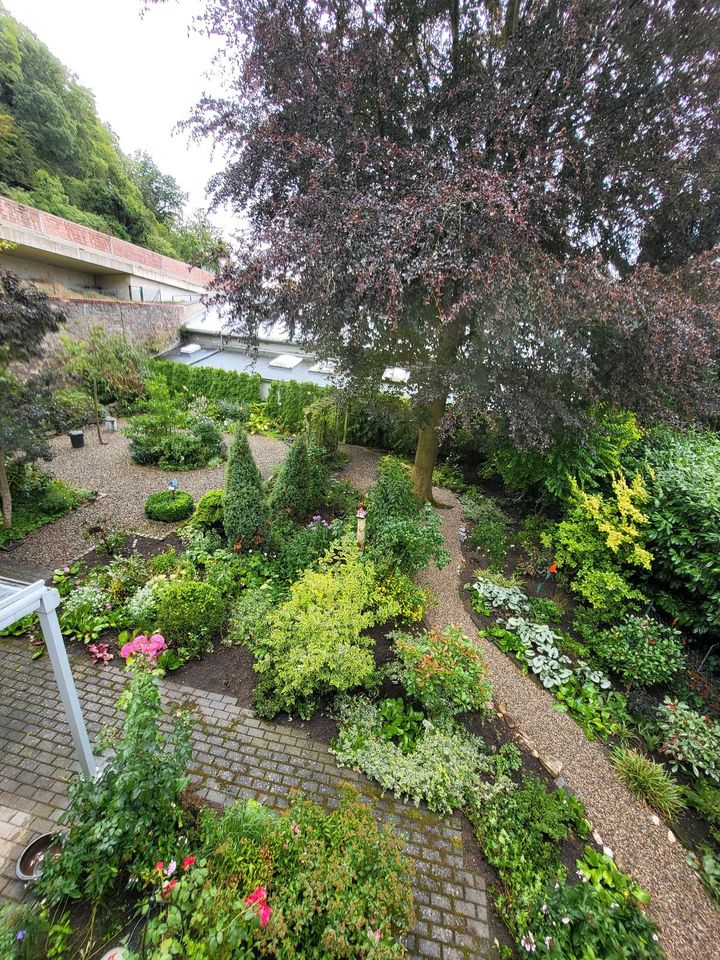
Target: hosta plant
541, 652
486, 596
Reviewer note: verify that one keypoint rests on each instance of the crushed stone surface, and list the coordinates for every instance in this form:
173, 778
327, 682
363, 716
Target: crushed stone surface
123, 488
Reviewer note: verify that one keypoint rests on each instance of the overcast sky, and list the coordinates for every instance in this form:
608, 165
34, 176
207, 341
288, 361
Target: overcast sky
146, 74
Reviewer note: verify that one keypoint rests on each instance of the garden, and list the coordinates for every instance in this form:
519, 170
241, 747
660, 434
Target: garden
287, 594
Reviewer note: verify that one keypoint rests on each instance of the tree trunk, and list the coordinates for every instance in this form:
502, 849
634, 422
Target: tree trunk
5, 494
96, 405
427, 450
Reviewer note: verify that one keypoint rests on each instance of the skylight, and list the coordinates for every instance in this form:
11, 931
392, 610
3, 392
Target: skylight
286, 360
396, 374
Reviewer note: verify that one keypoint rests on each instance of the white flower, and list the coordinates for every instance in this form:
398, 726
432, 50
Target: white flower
566, 920
655, 937
528, 942
548, 942
170, 869
544, 908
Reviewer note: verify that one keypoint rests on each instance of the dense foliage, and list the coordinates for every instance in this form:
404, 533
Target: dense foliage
245, 510
56, 154
290, 494
118, 824
190, 382
169, 506
641, 650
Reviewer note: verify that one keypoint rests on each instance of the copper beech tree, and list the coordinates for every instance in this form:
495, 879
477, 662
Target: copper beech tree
503, 197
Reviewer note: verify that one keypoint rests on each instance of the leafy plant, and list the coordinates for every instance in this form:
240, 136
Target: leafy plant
704, 797
315, 642
169, 506
245, 506
129, 816
519, 833
446, 767
402, 533
489, 534
601, 542
599, 714
189, 614
488, 595
444, 671
541, 651
602, 916
641, 650
189, 382
691, 740
649, 781
707, 864
400, 723
684, 513
546, 610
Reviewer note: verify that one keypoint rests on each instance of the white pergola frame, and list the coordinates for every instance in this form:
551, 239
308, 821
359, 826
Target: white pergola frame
38, 598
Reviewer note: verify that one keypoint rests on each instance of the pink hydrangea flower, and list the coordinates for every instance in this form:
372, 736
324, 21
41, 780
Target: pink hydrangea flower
148, 649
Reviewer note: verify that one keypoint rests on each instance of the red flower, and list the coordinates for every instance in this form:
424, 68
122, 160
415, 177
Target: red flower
188, 862
159, 866
168, 887
553, 568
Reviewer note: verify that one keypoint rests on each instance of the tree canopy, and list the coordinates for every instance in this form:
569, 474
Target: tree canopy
503, 197
56, 154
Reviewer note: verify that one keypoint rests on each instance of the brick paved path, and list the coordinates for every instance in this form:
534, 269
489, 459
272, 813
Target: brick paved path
235, 755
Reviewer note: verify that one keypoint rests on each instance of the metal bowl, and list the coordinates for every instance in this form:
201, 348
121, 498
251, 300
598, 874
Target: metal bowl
30, 861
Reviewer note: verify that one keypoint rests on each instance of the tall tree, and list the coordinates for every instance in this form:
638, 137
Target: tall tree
26, 316
473, 190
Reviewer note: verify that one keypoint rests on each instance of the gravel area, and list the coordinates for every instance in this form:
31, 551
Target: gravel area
362, 467
689, 922
123, 487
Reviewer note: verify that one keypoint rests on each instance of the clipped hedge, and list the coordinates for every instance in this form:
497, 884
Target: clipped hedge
169, 506
287, 400
209, 382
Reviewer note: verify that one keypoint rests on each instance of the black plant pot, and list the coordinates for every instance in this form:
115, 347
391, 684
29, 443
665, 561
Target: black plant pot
77, 438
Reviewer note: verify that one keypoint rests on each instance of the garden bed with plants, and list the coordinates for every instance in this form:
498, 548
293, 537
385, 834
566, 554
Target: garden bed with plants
581, 594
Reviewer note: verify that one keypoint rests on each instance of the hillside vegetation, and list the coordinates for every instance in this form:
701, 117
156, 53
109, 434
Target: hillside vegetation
56, 154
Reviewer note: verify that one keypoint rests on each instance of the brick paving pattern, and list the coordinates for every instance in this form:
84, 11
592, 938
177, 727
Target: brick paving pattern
235, 755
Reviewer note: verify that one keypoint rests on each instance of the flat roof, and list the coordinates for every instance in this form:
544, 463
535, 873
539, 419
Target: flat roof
239, 361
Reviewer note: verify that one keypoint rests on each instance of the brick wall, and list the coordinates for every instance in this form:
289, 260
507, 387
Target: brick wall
52, 227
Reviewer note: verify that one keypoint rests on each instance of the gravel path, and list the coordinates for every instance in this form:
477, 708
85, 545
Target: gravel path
689, 921
123, 486
362, 467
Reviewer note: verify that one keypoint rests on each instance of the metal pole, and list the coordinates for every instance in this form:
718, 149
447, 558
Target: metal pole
64, 678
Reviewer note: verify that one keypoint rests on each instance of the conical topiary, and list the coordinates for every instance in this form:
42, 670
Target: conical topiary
245, 507
291, 489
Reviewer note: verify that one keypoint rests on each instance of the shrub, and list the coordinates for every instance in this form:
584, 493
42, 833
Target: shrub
402, 532
287, 400
322, 424
691, 740
123, 821
383, 421
315, 641
489, 534
602, 916
209, 510
445, 671
297, 548
245, 506
72, 408
336, 883
445, 768
289, 495
602, 542
210, 382
250, 618
397, 591
589, 461
684, 512
546, 610
641, 650
649, 781
520, 833
169, 506
189, 615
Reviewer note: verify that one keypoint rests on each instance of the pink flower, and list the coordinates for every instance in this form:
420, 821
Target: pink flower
149, 650
295, 828
256, 902
159, 866
265, 914
170, 868
188, 862
375, 934
257, 896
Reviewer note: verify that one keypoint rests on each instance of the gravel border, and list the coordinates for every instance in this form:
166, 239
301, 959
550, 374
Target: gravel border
689, 921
